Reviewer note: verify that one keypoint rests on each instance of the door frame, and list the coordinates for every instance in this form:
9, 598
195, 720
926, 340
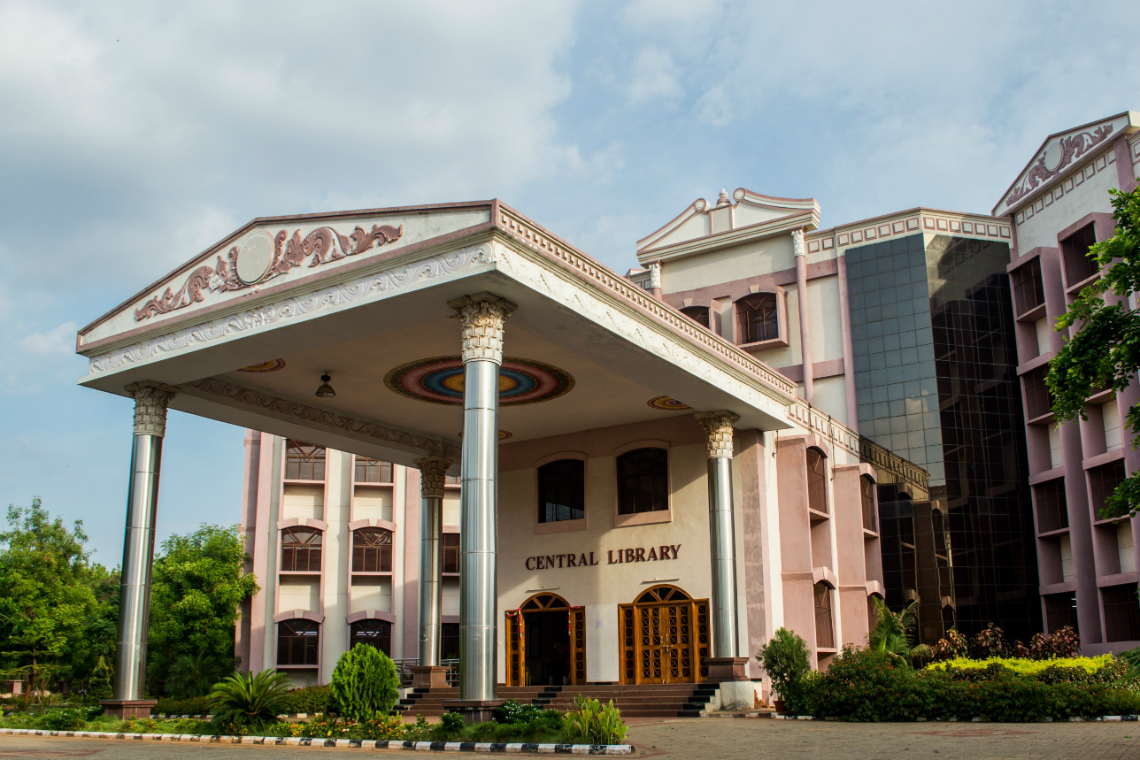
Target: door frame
517, 674
632, 616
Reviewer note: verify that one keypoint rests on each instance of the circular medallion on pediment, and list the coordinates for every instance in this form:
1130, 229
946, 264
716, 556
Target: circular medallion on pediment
440, 381
666, 404
254, 257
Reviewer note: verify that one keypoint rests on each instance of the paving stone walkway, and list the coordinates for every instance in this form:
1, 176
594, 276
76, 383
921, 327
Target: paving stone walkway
716, 739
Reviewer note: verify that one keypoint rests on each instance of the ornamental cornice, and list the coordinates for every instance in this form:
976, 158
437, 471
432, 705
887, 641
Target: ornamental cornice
324, 299
433, 476
297, 411
719, 431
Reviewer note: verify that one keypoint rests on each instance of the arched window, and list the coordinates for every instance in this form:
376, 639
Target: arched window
562, 491
298, 642
374, 633
699, 314
372, 550
300, 550
304, 461
817, 480
824, 627
867, 497
373, 470
643, 481
756, 318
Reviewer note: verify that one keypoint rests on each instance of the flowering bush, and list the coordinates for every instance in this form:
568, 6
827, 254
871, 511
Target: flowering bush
992, 643
989, 643
953, 646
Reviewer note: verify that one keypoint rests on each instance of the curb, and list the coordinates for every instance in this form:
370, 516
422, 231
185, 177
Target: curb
292, 741
1098, 719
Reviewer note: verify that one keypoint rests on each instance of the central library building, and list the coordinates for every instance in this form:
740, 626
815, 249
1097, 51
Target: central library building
507, 466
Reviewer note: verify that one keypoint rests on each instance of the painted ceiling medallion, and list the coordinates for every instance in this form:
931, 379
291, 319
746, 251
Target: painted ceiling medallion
270, 366
257, 260
666, 404
440, 381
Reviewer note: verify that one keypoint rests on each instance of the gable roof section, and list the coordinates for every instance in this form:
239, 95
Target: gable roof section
1061, 152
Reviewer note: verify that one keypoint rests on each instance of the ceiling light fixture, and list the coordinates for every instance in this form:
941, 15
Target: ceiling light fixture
326, 390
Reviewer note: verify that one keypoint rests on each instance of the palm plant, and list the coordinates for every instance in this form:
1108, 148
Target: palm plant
892, 632
194, 675
251, 701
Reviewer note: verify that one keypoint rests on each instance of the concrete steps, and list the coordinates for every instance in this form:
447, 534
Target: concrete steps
646, 701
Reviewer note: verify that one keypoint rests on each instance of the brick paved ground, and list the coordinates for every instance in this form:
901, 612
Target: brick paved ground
717, 739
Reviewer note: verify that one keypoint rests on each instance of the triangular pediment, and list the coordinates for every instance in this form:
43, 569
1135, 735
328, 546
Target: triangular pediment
1060, 153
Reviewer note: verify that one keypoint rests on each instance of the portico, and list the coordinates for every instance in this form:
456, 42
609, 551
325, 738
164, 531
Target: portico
465, 340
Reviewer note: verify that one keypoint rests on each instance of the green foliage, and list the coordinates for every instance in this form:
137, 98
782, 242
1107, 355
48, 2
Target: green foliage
250, 701
893, 632
591, 723
364, 684
954, 645
451, 724
199, 583
56, 610
862, 685
192, 706
63, 720
785, 659
1024, 667
1103, 350
311, 700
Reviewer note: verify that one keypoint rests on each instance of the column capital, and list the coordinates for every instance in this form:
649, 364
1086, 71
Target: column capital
482, 316
798, 243
151, 399
718, 428
433, 471
655, 275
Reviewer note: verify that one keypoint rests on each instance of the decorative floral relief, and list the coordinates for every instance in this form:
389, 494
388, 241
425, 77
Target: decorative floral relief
1072, 147
290, 308
323, 244
322, 417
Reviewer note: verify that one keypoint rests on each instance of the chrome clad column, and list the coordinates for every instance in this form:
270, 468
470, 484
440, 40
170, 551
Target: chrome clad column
482, 316
722, 531
138, 545
432, 473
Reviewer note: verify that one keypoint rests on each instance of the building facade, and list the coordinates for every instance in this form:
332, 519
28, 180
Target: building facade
1058, 207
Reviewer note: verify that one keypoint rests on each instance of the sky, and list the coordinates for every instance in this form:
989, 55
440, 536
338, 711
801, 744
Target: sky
134, 135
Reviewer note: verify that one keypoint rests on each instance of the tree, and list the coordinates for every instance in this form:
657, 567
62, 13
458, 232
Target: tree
1104, 347
46, 599
892, 632
364, 684
199, 584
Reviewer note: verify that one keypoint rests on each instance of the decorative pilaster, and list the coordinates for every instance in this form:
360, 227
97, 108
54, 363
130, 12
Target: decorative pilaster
151, 400
482, 316
798, 243
800, 256
718, 427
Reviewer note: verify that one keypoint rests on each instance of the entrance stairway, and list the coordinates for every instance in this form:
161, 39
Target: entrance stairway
682, 700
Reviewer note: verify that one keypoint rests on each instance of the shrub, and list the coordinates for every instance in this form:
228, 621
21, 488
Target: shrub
451, 724
515, 714
194, 706
785, 659
364, 684
63, 720
590, 723
248, 701
1051, 671
953, 646
989, 643
310, 700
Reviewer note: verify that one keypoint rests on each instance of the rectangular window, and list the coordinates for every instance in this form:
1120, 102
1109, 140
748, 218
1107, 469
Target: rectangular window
449, 641
1052, 509
867, 496
371, 550
298, 642
824, 626
699, 314
1061, 611
451, 552
373, 633
562, 491
373, 470
1028, 288
1104, 480
817, 480
757, 319
643, 481
1110, 415
1074, 250
1121, 613
304, 461
1038, 401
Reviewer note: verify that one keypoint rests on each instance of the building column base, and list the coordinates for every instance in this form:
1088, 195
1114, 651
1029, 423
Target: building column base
722, 669
429, 676
124, 709
474, 710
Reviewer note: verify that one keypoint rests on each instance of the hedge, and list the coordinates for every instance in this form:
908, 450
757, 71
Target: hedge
871, 686
192, 706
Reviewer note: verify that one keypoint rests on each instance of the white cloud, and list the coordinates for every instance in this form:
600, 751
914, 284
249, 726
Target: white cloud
714, 107
59, 341
654, 75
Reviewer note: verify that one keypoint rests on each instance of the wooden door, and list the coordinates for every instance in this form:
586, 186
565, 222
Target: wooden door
664, 637
516, 649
